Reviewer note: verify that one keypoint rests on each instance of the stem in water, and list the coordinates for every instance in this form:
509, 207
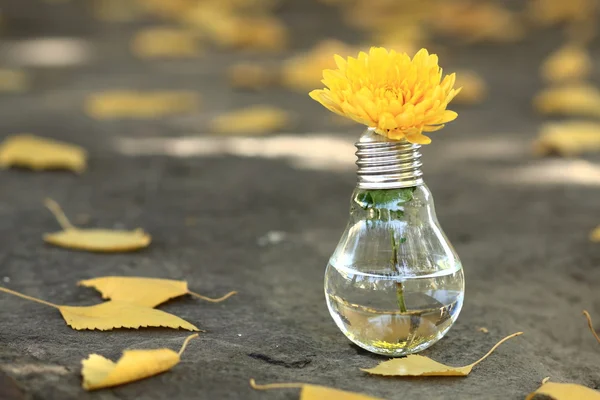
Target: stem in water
399, 285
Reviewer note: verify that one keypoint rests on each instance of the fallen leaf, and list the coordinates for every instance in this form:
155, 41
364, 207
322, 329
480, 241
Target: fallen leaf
249, 76
546, 379
595, 235
130, 104
148, 292
115, 10
477, 21
591, 325
253, 120
548, 12
415, 365
565, 391
314, 392
99, 372
569, 63
111, 315
39, 153
100, 240
13, 80
165, 43
305, 71
474, 89
568, 138
577, 99
483, 329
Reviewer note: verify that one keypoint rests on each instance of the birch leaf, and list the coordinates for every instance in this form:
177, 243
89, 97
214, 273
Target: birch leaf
38, 153
99, 372
98, 240
567, 63
148, 292
568, 138
111, 315
591, 325
565, 391
315, 392
415, 365
583, 100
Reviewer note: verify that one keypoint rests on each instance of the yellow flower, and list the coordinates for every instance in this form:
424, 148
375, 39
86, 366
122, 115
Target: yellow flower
400, 98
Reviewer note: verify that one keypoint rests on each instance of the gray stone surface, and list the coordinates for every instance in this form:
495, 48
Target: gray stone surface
519, 224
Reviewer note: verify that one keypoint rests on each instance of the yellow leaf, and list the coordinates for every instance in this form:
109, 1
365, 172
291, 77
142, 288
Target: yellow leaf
165, 43
100, 240
567, 63
315, 392
254, 120
595, 235
591, 325
13, 80
568, 138
578, 99
249, 76
112, 314
415, 365
148, 292
129, 104
99, 372
39, 153
565, 391
474, 89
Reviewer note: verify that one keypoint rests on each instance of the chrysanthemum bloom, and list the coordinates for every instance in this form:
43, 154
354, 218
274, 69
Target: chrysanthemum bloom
400, 98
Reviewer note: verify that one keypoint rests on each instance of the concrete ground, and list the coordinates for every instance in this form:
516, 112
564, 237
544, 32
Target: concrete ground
265, 225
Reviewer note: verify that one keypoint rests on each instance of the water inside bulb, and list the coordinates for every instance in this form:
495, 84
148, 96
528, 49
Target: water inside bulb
394, 285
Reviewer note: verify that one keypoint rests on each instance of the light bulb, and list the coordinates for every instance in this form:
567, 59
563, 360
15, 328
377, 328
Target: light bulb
394, 285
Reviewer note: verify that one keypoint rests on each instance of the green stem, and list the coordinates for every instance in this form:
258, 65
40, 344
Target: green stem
399, 285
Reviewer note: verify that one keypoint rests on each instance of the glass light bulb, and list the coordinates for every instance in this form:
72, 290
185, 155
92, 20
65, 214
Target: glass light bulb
394, 285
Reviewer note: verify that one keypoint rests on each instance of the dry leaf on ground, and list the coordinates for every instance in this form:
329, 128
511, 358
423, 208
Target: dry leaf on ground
111, 315
548, 12
415, 365
578, 99
13, 80
250, 76
595, 235
255, 120
148, 292
39, 153
165, 43
568, 138
474, 89
483, 329
305, 71
565, 391
99, 372
315, 392
591, 325
569, 63
116, 104
115, 10
100, 240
